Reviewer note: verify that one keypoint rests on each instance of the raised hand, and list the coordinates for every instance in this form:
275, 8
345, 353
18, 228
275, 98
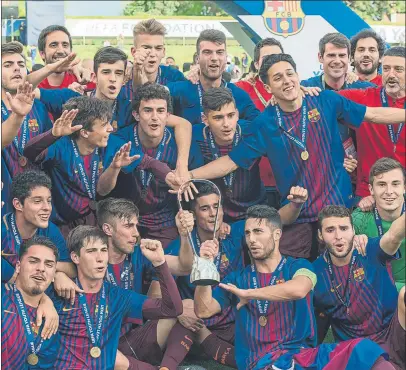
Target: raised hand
21, 103
184, 222
224, 230
209, 249
360, 244
122, 158
297, 195
83, 75
77, 87
367, 204
63, 125
240, 293
194, 74
64, 64
140, 58
153, 251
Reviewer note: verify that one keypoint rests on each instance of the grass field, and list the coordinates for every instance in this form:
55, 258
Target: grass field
174, 48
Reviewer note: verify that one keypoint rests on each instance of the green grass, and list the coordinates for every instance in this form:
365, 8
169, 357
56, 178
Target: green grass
174, 48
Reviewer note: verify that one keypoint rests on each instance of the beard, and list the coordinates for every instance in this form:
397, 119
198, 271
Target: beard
342, 254
369, 71
36, 291
267, 253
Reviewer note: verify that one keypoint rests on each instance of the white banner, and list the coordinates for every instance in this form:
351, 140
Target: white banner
41, 14
391, 34
114, 27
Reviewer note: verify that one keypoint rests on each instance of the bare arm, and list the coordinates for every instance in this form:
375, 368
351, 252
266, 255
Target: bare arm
68, 268
290, 212
385, 116
205, 305
183, 138
213, 170
392, 239
181, 265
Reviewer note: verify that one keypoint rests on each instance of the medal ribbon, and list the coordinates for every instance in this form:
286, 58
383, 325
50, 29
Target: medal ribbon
346, 302
26, 322
217, 260
229, 179
200, 91
20, 145
14, 230
158, 79
125, 281
394, 137
378, 220
144, 180
94, 335
263, 311
300, 143
90, 186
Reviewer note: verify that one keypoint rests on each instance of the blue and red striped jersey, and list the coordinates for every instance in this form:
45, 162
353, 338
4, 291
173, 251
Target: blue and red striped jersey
69, 196
247, 187
74, 351
231, 259
10, 246
290, 325
55, 99
139, 269
323, 144
166, 74
37, 122
158, 208
372, 294
186, 101
14, 345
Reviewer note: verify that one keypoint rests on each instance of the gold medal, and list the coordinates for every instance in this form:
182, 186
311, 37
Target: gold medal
95, 352
263, 321
32, 359
22, 161
304, 155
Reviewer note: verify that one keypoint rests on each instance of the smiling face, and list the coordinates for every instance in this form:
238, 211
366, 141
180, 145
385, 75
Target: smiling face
212, 59
388, 190
366, 56
93, 259
13, 72
36, 269
57, 46
36, 208
99, 135
152, 117
335, 61
109, 79
338, 235
205, 212
284, 81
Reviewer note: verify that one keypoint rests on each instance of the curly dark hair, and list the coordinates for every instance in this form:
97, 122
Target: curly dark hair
24, 183
37, 240
151, 91
364, 34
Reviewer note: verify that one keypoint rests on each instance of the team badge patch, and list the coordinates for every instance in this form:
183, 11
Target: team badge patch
283, 18
33, 125
359, 274
313, 115
101, 168
280, 281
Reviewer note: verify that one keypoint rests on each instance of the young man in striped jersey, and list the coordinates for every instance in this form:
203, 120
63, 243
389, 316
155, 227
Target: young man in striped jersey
275, 323
148, 51
356, 292
24, 341
301, 140
31, 194
90, 327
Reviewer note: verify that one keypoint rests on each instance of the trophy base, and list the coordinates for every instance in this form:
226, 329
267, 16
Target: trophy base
205, 282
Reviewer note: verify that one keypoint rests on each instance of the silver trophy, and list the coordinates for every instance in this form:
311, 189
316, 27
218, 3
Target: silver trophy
204, 271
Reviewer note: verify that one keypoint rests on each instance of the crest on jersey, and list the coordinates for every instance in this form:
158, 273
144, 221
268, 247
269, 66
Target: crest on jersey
100, 168
33, 125
283, 18
313, 115
280, 281
359, 274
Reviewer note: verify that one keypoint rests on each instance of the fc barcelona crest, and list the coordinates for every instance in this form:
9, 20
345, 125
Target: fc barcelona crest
359, 274
313, 115
100, 168
33, 125
283, 18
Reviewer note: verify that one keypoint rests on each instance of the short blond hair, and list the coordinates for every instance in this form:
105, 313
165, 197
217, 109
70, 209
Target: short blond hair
149, 27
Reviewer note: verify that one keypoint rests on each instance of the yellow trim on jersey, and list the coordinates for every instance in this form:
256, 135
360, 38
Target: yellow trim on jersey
306, 272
